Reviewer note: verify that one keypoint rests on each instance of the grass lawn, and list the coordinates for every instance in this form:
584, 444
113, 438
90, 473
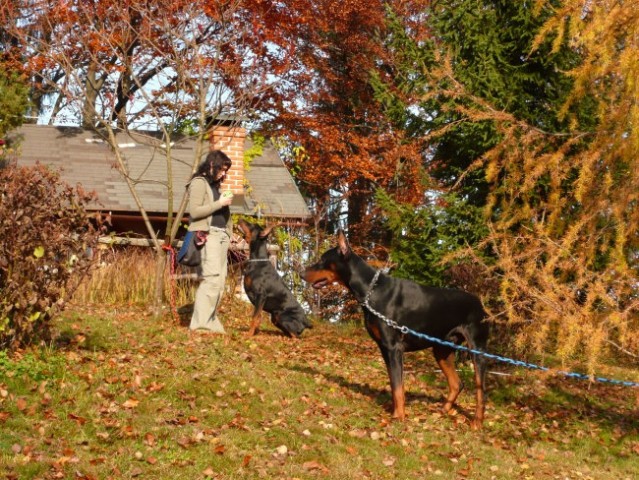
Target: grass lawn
123, 396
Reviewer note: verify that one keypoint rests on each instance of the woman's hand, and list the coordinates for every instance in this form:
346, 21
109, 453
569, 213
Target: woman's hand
226, 198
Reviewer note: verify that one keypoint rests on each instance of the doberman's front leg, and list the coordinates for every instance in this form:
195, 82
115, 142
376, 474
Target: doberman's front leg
256, 319
394, 360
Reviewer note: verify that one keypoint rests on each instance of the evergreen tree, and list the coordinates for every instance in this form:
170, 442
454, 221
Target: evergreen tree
425, 240
13, 102
488, 45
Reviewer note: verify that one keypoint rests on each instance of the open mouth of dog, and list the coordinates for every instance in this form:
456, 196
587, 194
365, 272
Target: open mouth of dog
321, 283
317, 278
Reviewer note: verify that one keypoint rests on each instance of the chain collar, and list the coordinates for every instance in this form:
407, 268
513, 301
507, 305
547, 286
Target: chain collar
370, 288
389, 321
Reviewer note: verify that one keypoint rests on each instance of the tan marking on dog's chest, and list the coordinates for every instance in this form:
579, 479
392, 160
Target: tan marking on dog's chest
374, 331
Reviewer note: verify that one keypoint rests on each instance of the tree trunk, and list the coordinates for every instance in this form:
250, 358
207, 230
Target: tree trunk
357, 205
160, 266
92, 86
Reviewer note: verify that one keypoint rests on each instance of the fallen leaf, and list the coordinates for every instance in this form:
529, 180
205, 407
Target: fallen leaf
357, 433
313, 465
149, 439
131, 403
184, 442
76, 418
154, 387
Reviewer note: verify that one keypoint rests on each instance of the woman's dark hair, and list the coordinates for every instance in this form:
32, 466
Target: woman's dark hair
216, 159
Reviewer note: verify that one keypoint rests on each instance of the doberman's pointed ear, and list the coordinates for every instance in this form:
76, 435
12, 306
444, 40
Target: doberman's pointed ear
244, 226
267, 230
342, 244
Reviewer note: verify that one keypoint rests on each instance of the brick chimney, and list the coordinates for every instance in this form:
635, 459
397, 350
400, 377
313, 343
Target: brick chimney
230, 139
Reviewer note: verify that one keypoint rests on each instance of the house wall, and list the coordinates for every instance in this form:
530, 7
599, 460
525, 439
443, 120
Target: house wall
231, 141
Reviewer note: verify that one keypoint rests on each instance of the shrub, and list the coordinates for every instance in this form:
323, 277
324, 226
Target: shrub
46, 238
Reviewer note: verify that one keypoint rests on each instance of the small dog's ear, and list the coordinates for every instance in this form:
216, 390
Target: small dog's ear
264, 233
342, 244
245, 227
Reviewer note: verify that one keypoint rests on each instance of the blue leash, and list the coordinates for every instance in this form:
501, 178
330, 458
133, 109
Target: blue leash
405, 330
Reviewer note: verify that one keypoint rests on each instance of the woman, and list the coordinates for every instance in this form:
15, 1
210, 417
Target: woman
209, 211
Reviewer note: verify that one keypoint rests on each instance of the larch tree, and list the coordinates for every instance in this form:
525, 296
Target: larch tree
574, 252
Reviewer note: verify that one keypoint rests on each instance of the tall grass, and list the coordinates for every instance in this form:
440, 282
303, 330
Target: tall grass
120, 277
127, 277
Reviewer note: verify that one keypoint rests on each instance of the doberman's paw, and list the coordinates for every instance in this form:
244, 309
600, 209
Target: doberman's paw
476, 424
448, 406
400, 416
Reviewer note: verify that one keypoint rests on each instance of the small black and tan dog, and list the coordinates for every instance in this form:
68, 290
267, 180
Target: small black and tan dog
266, 289
446, 314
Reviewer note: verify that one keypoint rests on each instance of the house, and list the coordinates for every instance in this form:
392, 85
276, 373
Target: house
262, 186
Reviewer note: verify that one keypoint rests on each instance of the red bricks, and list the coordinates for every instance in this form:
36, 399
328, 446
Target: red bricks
231, 141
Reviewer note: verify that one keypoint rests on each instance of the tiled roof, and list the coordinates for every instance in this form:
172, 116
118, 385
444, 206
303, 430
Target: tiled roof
85, 159
272, 187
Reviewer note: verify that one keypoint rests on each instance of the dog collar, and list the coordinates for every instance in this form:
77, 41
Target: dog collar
371, 286
389, 321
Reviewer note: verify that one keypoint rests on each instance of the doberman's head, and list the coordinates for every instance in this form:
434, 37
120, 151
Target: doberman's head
333, 266
256, 237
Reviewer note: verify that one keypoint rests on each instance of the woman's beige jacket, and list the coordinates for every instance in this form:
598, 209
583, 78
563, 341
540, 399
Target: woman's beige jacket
202, 205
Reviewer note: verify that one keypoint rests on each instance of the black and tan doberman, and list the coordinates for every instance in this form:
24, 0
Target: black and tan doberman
266, 289
447, 314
